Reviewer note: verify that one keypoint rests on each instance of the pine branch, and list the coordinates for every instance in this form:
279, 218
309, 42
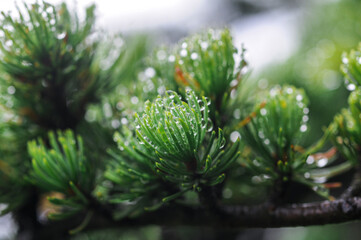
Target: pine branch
237, 217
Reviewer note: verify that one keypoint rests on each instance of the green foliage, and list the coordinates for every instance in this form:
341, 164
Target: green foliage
63, 168
50, 53
205, 63
351, 67
346, 129
173, 151
275, 128
274, 131
174, 145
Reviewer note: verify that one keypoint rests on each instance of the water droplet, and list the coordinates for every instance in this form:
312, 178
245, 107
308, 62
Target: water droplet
234, 136
61, 35
307, 175
289, 90
183, 52
11, 90
227, 193
194, 56
237, 114
90, 116
266, 141
305, 118
233, 83
107, 110
303, 128
171, 94
261, 134
184, 45
310, 160
209, 125
161, 55
134, 100
320, 179
124, 121
322, 162
351, 87
263, 111
306, 110
299, 97
115, 123
344, 60
204, 45
171, 58
149, 72
256, 179
8, 43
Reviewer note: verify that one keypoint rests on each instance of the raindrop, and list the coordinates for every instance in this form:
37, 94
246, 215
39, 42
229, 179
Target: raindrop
305, 118
90, 116
256, 179
124, 121
237, 114
263, 111
299, 97
351, 87
61, 36
289, 90
310, 160
149, 72
115, 123
161, 55
227, 193
307, 175
320, 179
171, 94
204, 45
306, 110
209, 125
134, 100
171, 58
266, 141
107, 110
119, 105
345, 60
222, 143
322, 162
261, 134
208, 101
263, 83
11, 90
234, 136
184, 45
183, 52
8, 43
194, 56
303, 128
233, 83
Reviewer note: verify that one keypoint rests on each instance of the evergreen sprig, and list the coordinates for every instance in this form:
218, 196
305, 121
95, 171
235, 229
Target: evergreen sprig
175, 152
64, 169
274, 131
49, 52
351, 67
346, 129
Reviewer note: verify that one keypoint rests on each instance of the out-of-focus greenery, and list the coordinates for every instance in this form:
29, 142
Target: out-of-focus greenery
327, 30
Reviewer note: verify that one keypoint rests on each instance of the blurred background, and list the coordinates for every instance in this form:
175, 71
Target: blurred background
287, 41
